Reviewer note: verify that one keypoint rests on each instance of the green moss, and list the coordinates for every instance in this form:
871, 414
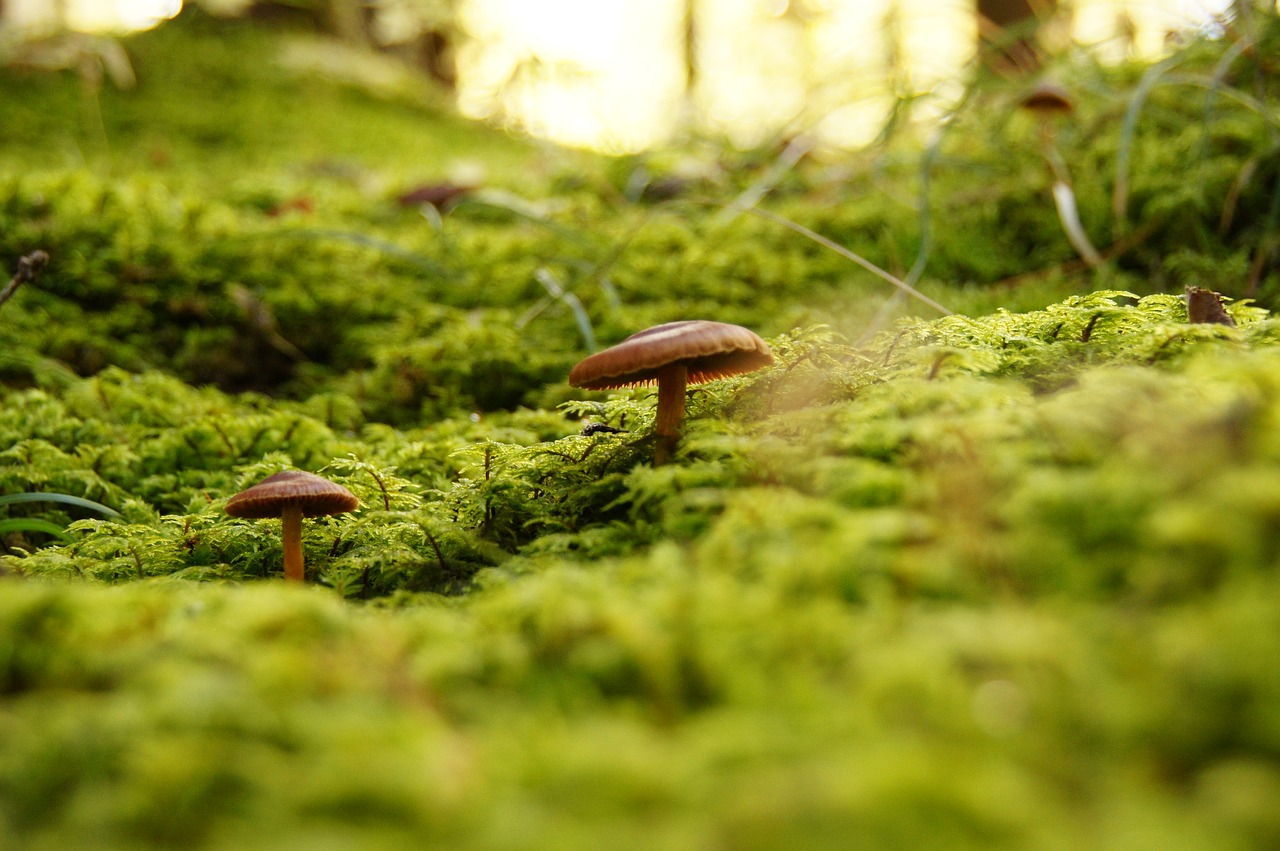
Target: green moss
970, 446
520, 713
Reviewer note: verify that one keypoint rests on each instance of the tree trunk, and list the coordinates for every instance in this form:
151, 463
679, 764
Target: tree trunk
436, 56
690, 48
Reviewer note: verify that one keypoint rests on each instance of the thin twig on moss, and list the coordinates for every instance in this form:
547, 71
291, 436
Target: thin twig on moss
29, 268
444, 567
1116, 249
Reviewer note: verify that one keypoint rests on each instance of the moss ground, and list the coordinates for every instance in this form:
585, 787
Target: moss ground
1002, 579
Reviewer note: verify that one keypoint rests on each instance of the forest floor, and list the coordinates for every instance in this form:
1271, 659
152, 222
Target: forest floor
991, 568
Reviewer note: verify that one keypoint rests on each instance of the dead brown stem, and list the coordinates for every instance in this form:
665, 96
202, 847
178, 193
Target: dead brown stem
29, 268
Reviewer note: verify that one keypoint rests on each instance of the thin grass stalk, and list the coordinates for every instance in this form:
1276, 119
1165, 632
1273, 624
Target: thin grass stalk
850, 255
1124, 151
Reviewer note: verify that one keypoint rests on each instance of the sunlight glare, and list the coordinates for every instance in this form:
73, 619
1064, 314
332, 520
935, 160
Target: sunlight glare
1099, 23
93, 15
752, 67
609, 74
583, 72
103, 15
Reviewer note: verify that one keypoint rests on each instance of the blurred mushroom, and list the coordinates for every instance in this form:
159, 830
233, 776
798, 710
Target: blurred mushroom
673, 355
1047, 98
1047, 101
291, 495
300, 204
438, 195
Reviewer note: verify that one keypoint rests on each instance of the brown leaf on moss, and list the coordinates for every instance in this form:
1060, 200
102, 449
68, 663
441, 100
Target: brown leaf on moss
1205, 307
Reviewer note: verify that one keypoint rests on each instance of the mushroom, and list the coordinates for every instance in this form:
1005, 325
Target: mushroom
1047, 98
1046, 101
673, 355
289, 495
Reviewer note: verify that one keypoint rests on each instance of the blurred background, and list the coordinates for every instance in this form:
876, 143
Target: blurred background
622, 76
547, 176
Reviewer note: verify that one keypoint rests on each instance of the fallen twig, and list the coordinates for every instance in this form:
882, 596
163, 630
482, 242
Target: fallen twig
1116, 249
29, 268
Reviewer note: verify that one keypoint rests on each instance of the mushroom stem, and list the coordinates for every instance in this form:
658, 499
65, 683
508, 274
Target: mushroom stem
291, 531
1065, 200
1057, 167
672, 380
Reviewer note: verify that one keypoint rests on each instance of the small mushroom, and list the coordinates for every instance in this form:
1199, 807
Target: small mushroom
1047, 101
290, 495
438, 195
673, 355
1048, 98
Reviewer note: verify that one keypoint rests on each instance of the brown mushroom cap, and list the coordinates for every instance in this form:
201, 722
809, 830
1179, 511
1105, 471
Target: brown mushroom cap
1048, 97
314, 495
709, 350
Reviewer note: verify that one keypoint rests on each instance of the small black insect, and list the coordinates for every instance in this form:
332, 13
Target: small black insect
599, 428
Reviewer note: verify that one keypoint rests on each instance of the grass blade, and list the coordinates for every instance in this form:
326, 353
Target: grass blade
1124, 151
558, 292
60, 498
33, 524
849, 255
